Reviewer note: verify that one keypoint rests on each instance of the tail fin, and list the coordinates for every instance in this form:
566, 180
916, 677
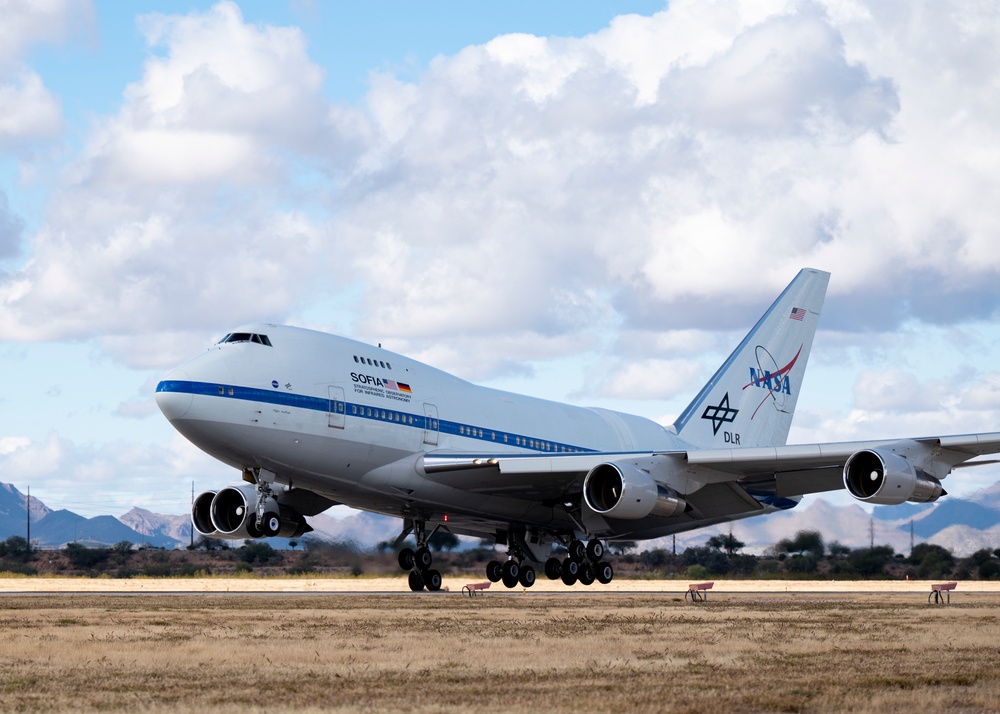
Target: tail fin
751, 399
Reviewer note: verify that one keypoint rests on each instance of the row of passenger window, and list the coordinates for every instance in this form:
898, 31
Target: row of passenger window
538, 444
383, 414
372, 362
471, 431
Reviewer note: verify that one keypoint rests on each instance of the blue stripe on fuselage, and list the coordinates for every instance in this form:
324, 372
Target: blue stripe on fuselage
368, 411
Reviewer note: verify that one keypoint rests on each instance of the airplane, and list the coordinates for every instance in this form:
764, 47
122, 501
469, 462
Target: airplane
312, 420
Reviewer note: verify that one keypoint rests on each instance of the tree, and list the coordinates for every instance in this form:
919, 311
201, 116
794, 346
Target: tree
211, 544
871, 561
16, 548
838, 550
83, 557
261, 553
122, 548
622, 547
728, 543
932, 561
708, 557
443, 540
803, 542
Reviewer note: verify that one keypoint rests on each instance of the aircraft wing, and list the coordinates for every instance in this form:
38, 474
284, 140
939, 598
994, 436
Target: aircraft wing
784, 471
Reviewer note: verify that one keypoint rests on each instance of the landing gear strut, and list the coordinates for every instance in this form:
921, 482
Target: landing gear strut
583, 563
418, 561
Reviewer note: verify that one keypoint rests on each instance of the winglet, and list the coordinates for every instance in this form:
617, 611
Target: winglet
751, 399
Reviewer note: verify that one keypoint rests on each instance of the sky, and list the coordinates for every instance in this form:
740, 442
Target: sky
588, 202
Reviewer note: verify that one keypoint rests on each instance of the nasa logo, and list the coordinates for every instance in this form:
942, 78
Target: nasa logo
776, 382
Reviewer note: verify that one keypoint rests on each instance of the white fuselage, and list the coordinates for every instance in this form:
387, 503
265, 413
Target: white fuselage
343, 419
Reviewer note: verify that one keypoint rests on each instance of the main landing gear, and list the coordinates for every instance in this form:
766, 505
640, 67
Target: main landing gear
515, 571
419, 561
583, 563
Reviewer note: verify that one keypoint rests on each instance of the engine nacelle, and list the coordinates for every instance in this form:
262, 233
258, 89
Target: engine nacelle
232, 513
201, 515
626, 491
886, 478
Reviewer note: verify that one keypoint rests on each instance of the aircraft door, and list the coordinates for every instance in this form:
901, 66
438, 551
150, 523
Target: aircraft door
430, 424
338, 407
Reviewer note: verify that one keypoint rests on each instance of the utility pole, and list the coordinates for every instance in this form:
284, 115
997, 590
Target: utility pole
675, 544
911, 536
28, 509
191, 524
871, 532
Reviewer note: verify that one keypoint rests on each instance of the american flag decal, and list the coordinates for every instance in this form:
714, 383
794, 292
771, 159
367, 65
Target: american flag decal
797, 314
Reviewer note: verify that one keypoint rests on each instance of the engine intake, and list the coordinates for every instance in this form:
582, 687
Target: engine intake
201, 514
626, 491
886, 478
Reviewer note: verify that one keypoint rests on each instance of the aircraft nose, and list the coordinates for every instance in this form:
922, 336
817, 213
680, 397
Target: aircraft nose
171, 396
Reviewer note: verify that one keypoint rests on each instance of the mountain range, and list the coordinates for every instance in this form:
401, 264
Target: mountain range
963, 525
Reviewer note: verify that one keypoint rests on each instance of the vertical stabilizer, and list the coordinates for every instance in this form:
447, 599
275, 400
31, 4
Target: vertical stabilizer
750, 401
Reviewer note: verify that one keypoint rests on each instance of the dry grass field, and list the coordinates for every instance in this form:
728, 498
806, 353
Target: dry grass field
506, 651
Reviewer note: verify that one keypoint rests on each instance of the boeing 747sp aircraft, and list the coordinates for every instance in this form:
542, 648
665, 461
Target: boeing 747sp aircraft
312, 420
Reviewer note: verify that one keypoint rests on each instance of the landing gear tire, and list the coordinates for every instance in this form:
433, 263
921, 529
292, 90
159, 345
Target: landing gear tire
432, 579
252, 530
415, 581
527, 576
577, 551
553, 568
424, 558
406, 559
570, 571
595, 550
604, 572
569, 575
270, 525
494, 571
511, 571
586, 575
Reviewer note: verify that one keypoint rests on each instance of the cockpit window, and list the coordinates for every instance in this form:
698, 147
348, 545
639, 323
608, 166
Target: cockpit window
246, 337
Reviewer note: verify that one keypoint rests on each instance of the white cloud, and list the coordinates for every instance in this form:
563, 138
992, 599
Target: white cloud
178, 213
664, 173
651, 379
28, 110
897, 390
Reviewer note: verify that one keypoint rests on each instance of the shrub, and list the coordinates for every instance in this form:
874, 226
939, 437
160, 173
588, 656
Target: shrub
697, 572
83, 557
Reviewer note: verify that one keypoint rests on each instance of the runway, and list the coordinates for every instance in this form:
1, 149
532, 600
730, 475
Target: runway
397, 585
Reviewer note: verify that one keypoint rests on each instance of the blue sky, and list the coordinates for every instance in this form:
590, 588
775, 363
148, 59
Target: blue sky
583, 201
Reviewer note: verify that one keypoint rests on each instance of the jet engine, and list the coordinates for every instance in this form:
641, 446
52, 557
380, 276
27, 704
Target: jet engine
625, 491
886, 478
201, 514
232, 513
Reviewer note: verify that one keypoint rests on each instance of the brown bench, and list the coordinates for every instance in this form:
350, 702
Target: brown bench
941, 590
472, 588
698, 591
